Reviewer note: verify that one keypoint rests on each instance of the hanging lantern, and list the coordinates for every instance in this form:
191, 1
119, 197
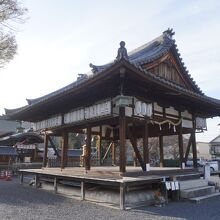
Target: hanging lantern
122, 101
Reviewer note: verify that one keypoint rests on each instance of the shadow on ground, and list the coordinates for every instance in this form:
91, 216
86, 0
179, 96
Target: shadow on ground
208, 209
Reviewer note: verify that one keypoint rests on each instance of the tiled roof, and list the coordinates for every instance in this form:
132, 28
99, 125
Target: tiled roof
12, 111
152, 51
139, 56
144, 54
136, 58
28, 137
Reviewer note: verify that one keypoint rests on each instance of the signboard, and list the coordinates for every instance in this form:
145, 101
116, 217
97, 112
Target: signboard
48, 123
98, 110
74, 116
94, 111
29, 146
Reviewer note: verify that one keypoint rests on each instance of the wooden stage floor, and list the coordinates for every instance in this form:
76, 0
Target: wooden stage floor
107, 184
112, 174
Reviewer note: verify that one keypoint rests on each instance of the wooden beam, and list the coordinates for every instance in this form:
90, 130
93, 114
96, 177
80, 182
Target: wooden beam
137, 153
188, 148
145, 144
194, 150
64, 150
45, 150
122, 136
107, 151
88, 148
161, 151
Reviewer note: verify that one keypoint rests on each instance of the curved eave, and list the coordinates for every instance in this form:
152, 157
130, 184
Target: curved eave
96, 80
177, 55
105, 75
9, 112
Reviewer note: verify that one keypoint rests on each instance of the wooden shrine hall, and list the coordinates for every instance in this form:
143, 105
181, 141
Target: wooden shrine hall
145, 93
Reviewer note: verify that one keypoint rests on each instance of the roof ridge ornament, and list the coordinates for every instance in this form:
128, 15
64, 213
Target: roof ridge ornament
169, 33
94, 68
122, 52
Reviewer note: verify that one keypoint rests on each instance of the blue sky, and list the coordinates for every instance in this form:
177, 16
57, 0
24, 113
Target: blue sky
61, 38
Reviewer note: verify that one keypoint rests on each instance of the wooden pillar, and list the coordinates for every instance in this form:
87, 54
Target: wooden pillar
45, 150
113, 153
145, 144
161, 151
188, 149
88, 148
194, 150
64, 150
137, 153
100, 146
122, 136
180, 140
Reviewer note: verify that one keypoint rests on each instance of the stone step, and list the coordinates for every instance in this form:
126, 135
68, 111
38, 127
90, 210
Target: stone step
185, 177
196, 192
189, 184
202, 198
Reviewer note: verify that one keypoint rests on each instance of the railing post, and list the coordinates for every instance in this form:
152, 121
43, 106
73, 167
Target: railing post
21, 177
83, 190
122, 196
55, 184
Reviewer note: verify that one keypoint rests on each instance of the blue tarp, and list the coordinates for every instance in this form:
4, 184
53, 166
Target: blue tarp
8, 151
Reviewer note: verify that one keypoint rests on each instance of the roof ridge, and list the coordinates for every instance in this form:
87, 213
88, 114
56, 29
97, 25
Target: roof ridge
155, 40
145, 53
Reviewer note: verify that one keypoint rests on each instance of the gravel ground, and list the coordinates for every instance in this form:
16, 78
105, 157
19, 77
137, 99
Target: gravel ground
24, 202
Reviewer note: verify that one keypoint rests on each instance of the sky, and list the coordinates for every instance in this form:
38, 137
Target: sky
61, 38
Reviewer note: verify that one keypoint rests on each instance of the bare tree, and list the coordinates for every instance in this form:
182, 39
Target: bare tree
170, 145
11, 14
